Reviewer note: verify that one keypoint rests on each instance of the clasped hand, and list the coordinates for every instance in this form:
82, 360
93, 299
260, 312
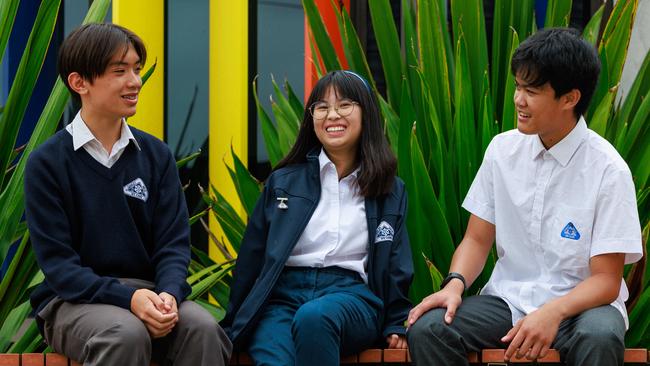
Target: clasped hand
158, 312
533, 335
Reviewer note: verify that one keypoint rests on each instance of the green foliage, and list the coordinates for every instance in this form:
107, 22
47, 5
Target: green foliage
445, 104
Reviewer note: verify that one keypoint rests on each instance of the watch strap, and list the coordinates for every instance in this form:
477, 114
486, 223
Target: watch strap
450, 277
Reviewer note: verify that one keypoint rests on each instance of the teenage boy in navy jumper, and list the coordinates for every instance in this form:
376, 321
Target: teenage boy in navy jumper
561, 204
109, 223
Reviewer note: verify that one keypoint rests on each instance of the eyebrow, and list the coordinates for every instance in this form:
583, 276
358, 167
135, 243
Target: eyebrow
526, 85
122, 63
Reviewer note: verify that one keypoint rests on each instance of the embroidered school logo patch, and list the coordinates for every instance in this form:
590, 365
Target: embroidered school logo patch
384, 232
137, 189
570, 232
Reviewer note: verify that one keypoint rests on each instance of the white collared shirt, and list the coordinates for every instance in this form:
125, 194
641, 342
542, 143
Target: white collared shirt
337, 232
82, 136
553, 210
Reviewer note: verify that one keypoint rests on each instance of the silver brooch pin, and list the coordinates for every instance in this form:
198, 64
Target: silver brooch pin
282, 205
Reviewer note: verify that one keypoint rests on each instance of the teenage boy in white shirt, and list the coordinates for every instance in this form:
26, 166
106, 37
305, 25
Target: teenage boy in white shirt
561, 204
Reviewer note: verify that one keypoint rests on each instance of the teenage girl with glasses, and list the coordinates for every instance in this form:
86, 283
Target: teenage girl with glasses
325, 264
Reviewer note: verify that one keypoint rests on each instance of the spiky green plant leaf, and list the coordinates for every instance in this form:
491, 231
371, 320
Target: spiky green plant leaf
322, 38
389, 49
558, 13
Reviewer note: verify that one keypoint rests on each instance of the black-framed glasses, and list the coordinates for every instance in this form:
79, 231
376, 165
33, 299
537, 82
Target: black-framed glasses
344, 108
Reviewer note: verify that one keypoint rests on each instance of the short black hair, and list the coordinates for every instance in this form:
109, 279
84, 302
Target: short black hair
561, 57
89, 49
377, 163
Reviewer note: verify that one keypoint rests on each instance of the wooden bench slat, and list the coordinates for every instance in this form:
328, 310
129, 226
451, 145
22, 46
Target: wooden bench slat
32, 359
496, 355
350, 359
10, 359
636, 355
244, 359
395, 355
370, 356
472, 357
632, 355
374, 356
55, 359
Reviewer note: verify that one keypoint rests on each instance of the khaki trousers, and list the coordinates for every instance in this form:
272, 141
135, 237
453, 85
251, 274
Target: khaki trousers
101, 334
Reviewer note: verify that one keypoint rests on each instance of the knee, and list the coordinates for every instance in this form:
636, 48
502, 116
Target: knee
428, 327
195, 320
599, 338
311, 318
133, 332
127, 335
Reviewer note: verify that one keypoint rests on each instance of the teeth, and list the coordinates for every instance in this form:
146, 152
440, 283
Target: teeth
335, 129
523, 115
130, 97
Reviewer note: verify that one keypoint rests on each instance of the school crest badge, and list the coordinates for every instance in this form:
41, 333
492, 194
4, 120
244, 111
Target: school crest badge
384, 232
570, 232
137, 189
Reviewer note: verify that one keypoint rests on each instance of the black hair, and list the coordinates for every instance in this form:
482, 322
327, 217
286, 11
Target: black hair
89, 49
377, 162
561, 57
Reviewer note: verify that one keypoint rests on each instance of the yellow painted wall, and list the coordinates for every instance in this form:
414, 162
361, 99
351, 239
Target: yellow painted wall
228, 97
146, 18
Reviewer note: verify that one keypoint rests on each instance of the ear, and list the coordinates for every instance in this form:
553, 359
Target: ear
77, 83
571, 98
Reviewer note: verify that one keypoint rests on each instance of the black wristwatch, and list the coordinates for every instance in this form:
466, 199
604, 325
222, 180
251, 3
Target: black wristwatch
450, 277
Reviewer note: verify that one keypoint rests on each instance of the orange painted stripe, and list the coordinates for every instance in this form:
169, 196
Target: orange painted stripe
331, 24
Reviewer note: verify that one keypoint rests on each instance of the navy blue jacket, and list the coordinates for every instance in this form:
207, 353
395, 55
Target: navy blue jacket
272, 233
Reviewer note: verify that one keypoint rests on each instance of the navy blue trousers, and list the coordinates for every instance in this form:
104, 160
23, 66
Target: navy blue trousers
314, 316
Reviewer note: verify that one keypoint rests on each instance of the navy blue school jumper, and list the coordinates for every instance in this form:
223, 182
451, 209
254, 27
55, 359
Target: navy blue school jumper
91, 225
273, 231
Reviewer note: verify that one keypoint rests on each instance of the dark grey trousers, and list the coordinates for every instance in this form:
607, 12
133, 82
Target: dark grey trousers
592, 338
101, 334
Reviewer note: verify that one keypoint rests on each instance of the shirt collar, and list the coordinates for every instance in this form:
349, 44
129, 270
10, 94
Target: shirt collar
324, 161
82, 135
565, 148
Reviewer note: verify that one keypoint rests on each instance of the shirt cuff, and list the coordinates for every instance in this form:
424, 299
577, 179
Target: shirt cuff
479, 209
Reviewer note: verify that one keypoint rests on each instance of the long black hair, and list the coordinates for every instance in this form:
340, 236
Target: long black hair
377, 163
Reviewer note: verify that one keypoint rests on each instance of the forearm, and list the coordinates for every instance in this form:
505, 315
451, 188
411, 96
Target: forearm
598, 289
471, 254
469, 259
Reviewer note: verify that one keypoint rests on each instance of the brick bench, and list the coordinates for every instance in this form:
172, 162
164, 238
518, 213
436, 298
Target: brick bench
494, 357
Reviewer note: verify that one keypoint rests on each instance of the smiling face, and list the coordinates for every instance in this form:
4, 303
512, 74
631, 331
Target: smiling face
338, 134
113, 94
540, 112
